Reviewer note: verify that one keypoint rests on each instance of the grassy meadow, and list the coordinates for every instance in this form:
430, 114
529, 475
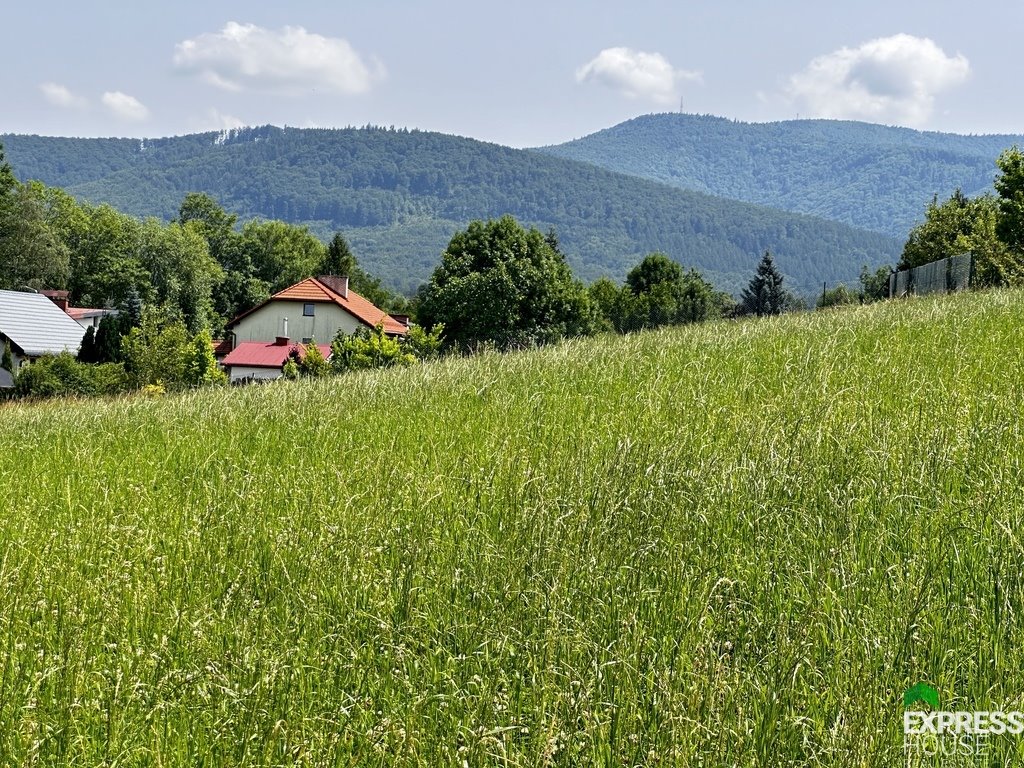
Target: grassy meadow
733, 544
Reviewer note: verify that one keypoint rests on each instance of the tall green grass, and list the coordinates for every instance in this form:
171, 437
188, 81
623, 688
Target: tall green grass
732, 544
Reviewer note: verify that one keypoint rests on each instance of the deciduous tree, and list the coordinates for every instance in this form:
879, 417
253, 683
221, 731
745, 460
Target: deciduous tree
501, 284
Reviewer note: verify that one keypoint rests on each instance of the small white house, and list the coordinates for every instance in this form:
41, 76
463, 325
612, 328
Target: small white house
34, 326
262, 361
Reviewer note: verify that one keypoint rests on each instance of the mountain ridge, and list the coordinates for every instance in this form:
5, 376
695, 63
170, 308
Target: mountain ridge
867, 175
399, 194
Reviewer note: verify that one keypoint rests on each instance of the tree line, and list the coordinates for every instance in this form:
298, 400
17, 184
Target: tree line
989, 226
499, 284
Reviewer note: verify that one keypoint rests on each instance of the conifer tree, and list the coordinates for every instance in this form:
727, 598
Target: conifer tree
765, 294
339, 260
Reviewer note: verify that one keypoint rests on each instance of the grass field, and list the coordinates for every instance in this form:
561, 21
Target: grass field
732, 544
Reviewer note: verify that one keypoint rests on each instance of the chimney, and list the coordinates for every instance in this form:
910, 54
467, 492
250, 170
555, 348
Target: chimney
281, 341
337, 284
285, 331
60, 298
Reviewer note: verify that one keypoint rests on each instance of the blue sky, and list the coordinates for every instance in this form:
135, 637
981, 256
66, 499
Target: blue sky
521, 74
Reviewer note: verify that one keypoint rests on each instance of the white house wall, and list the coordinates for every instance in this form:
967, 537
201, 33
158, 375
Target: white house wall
238, 373
267, 323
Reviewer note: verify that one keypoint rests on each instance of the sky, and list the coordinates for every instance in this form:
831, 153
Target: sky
522, 74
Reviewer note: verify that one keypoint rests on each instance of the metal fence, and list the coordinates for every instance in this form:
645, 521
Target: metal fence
942, 276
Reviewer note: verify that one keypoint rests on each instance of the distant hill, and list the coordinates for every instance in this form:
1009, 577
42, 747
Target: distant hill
868, 176
399, 195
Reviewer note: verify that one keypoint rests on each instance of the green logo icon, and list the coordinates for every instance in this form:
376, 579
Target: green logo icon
921, 693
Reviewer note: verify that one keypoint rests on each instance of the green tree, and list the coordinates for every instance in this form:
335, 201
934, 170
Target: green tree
107, 345
202, 367
765, 294
1010, 188
87, 352
939, 235
655, 269
368, 348
312, 363
158, 350
657, 292
7, 359
281, 254
105, 264
606, 298
874, 286
834, 297
8, 186
61, 375
339, 259
182, 271
206, 217
501, 284
982, 226
8, 182
995, 263
423, 344
30, 252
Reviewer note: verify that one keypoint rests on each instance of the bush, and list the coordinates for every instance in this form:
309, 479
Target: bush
837, 297
62, 375
368, 349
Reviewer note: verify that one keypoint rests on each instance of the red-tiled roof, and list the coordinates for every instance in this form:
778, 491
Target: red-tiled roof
259, 354
315, 290
221, 347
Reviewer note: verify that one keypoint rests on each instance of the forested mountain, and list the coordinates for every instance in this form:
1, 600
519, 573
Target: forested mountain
398, 195
868, 176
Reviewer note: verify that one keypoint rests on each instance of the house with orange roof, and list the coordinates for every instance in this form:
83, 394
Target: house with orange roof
315, 308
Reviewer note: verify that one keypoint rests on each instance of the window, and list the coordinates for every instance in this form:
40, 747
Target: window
308, 310
307, 339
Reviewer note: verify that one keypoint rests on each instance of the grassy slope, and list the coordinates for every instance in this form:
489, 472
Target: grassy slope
733, 544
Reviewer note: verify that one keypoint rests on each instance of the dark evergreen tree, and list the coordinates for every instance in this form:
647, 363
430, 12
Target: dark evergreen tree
87, 351
107, 342
130, 311
7, 360
7, 180
339, 259
765, 294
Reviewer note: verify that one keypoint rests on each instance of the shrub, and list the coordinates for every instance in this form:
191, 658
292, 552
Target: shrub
62, 375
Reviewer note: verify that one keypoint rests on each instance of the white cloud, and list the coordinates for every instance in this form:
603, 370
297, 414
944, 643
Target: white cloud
890, 79
636, 74
60, 96
124, 106
248, 57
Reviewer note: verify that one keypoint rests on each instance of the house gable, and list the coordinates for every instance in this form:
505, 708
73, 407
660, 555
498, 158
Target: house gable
315, 308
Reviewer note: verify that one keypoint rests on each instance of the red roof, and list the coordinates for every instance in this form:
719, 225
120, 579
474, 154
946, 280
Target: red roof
260, 354
78, 313
332, 290
221, 347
